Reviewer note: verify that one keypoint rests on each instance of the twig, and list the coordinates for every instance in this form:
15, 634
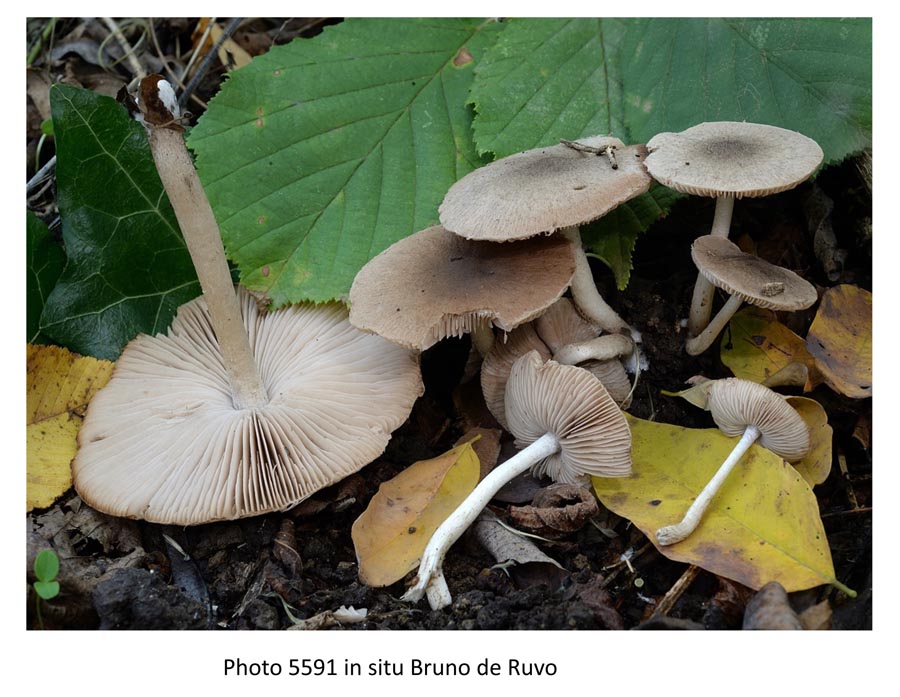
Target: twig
208, 59
200, 44
43, 173
137, 69
852, 511
845, 474
677, 590
167, 67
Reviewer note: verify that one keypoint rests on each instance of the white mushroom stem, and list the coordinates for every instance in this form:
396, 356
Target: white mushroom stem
701, 302
603, 348
585, 294
430, 579
698, 344
201, 234
671, 534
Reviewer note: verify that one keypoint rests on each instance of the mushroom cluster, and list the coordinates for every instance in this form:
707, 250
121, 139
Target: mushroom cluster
507, 250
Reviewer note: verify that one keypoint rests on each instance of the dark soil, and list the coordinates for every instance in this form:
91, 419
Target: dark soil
267, 572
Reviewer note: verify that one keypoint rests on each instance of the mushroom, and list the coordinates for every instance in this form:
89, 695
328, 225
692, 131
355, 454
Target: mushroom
745, 408
729, 160
548, 189
434, 284
567, 425
746, 278
236, 411
562, 334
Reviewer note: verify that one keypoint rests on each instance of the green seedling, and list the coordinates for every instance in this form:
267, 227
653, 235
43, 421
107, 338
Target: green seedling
46, 568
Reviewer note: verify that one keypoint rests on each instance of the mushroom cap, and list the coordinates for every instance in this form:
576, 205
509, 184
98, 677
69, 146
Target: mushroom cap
755, 280
546, 397
561, 324
164, 442
543, 190
434, 284
735, 404
732, 158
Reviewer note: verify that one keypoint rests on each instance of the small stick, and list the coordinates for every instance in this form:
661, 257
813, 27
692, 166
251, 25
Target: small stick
845, 474
677, 590
136, 68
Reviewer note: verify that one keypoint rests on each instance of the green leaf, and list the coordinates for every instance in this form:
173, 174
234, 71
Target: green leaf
46, 565
47, 589
812, 75
546, 79
128, 268
612, 237
46, 260
323, 152
762, 525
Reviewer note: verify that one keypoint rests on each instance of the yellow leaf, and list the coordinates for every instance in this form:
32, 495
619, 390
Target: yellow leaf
763, 524
59, 386
816, 466
758, 347
392, 532
840, 339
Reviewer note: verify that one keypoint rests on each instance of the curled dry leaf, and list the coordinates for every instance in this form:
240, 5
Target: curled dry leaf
840, 340
816, 466
391, 534
770, 609
60, 386
760, 348
556, 511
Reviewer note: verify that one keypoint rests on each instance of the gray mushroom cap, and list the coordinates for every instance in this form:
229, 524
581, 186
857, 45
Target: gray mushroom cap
735, 404
543, 190
572, 404
754, 280
164, 442
434, 284
732, 158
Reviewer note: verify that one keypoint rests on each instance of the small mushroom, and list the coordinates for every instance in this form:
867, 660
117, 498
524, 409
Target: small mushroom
567, 425
544, 190
551, 335
747, 278
235, 411
745, 408
434, 284
729, 160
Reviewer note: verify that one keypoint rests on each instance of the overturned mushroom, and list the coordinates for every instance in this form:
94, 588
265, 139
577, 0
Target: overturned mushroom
567, 425
745, 408
747, 278
235, 411
729, 160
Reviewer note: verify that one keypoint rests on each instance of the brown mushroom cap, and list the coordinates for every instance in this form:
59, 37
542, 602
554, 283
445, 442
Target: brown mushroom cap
754, 280
732, 158
735, 404
164, 442
573, 405
543, 190
434, 284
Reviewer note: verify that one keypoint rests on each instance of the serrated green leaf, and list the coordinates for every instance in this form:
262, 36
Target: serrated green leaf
812, 75
128, 268
323, 152
612, 237
46, 260
640, 77
46, 565
546, 79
